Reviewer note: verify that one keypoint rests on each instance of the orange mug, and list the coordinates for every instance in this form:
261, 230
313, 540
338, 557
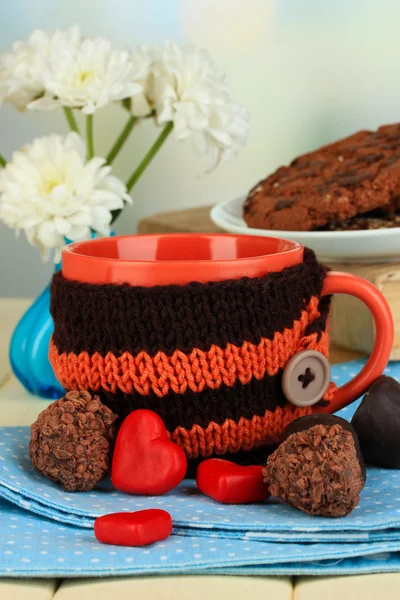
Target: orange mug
129, 376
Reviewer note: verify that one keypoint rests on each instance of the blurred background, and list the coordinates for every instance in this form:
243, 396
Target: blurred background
309, 72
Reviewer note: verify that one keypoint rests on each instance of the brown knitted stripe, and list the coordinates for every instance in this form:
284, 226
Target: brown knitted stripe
200, 408
122, 318
234, 404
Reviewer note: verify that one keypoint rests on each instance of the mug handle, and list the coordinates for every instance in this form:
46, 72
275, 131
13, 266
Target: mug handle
346, 283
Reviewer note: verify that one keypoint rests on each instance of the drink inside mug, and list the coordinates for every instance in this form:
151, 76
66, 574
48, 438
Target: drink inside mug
162, 259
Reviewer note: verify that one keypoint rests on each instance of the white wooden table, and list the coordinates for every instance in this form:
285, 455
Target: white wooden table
17, 407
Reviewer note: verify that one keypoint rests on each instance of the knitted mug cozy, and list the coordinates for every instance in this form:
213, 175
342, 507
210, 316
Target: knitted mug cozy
208, 358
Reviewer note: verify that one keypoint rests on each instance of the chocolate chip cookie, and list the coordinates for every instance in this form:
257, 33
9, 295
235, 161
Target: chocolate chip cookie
332, 185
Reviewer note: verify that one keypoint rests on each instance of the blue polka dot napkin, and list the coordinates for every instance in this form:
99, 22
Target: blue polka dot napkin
45, 531
33, 546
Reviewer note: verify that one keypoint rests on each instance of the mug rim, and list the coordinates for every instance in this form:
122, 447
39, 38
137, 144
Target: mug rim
89, 268
70, 248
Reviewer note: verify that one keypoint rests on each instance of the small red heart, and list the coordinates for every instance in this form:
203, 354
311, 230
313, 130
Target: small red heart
230, 483
144, 460
134, 529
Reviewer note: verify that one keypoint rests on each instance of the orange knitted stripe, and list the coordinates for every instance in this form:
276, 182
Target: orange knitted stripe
181, 372
231, 437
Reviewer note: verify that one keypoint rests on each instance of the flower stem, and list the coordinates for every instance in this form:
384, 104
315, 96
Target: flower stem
150, 155
71, 119
121, 139
2, 161
145, 162
89, 136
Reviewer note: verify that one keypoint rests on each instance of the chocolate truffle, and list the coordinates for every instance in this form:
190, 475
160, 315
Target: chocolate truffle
71, 441
303, 423
377, 423
317, 470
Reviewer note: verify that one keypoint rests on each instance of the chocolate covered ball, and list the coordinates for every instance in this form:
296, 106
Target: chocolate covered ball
317, 470
303, 423
377, 423
71, 441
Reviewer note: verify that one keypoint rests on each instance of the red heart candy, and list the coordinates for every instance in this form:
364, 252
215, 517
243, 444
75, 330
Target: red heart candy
230, 483
144, 460
133, 529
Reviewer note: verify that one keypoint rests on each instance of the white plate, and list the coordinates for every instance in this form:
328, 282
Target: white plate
374, 245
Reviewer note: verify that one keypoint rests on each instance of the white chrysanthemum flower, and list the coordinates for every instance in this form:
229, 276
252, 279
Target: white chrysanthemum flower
142, 59
21, 71
50, 192
187, 90
226, 133
89, 76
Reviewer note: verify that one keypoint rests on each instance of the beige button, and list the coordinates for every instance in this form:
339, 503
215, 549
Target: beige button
306, 378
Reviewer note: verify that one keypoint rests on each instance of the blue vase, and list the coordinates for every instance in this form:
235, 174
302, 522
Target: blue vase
29, 346
29, 349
